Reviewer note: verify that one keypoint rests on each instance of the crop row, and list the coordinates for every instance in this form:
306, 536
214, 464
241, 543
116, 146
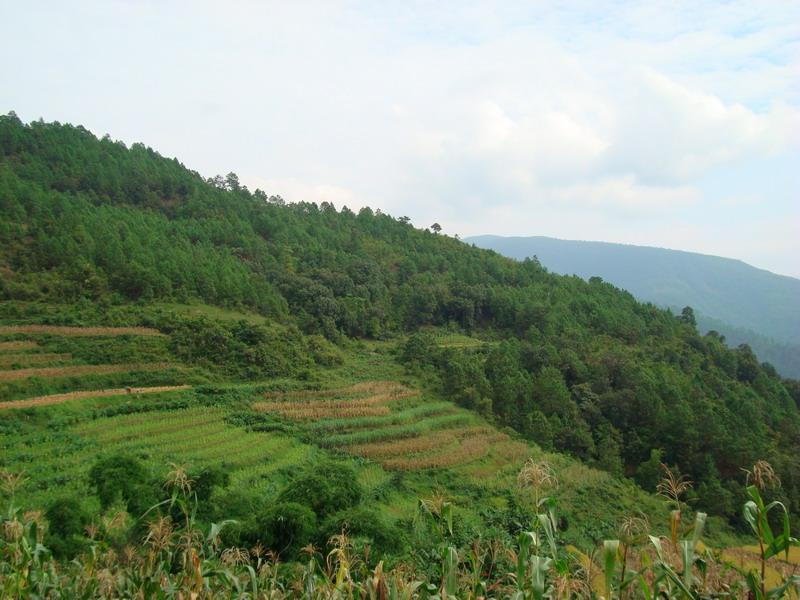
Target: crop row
467, 450
373, 400
314, 413
144, 422
400, 417
7, 360
365, 387
134, 430
509, 450
80, 370
374, 405
400, 431
70, 396
194, 434
257, 472
366, 399
77, 331
14, 346
416, 444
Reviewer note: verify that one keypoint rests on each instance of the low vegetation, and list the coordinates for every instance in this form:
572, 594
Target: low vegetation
69, 396
342, 405
168, 553
76, 331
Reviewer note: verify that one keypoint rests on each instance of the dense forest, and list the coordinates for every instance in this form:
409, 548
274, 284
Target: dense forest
745, 304
784, 356
578, 366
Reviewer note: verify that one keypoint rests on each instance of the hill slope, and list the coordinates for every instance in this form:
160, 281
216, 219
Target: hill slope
577, 367
739, 298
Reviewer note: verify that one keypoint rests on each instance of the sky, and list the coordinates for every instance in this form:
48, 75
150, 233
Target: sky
671, 124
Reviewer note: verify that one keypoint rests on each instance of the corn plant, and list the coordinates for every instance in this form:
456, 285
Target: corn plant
770, 543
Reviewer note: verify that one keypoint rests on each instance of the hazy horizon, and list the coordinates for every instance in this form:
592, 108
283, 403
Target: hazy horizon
668, 127
469, 238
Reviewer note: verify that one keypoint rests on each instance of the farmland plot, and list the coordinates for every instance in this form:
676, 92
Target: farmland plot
17, 346
71, 363
391, 424
78, 370
77, 331
61, 398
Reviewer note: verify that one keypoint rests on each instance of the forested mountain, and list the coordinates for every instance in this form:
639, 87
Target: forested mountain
581, 367
785, 357
742, 302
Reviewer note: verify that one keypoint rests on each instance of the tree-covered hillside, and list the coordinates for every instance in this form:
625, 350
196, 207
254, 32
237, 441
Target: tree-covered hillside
785, 357
578, 366
746, 304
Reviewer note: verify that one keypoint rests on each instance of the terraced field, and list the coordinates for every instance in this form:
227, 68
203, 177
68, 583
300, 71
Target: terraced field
194, 437
61, 398
120, 390
26, 359
16, 346
394, 426
36, 371
198, 436
78, 331
78, 370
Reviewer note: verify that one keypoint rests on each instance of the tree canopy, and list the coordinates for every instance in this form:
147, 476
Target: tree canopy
578, 366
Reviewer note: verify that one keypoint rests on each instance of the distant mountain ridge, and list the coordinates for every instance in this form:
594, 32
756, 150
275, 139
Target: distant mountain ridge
728, 294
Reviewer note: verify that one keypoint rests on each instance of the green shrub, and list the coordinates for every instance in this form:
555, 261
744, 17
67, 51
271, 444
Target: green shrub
325, 488
66, 519
122, 477
364, 526
286, 527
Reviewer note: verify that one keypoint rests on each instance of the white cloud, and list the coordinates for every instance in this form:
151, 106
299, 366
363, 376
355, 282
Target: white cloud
646, 138
626, 195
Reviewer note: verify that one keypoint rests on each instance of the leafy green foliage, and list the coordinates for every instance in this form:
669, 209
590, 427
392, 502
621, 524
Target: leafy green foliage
122, 477
366, 526
578, 366
241, 348
67, 520
742, 299
702, 406
324, 488
286, 527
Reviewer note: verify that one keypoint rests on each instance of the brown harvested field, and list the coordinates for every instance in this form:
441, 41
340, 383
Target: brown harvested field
61, 398
468, 449
13, 346
78, 331
313, 412
420, 443
366, 387
12, 359
78, 370
511, 450
406, 449
361, 400
288, 407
